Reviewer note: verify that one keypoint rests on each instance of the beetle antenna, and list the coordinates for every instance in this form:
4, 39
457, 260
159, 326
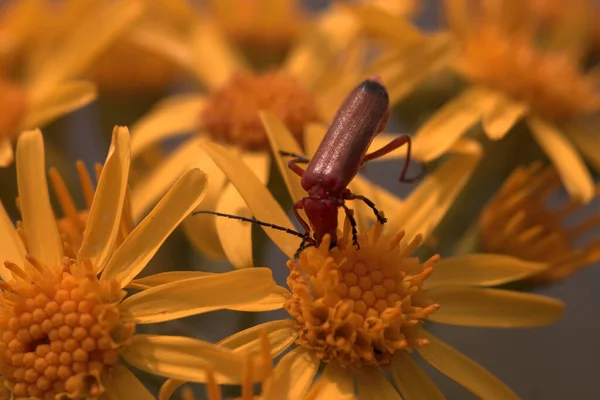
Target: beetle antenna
254, 221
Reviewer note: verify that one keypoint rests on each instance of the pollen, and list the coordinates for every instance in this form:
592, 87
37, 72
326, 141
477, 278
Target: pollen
550, 81
13, 103
519, 222
360, 306
61, 330
232, 112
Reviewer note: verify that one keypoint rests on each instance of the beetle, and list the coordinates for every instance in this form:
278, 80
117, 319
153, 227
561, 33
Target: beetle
342, 152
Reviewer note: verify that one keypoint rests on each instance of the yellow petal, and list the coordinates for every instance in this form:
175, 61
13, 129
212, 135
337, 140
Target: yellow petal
376, 21
193, 296
122, 384
463, 370
281, 138
457, 16
313, 136
165, 277
273, 301
90, 38
292, 376
169, 388
141, 244
502, 115
65, 98
281, 335
373, 385
215, 59
12, 248
184, 358
426, 206
411, 380
104, 220
172, 117
587, 142
449, 123
6, 152
161, 40
43, 239
259, 200
482, 270
236, 236
308, 60
338, 382
496, 308
563, 155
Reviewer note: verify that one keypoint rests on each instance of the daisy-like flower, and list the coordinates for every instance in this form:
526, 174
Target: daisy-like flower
362, 310
512, 68
66, 321
38, 86
277, 383
519, 222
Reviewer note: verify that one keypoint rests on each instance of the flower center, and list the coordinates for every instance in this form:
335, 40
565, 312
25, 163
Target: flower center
231, 114
359, 306
13, 103
510, 62
61, 330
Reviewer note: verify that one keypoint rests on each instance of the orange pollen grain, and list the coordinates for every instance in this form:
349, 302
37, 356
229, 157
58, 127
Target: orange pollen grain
232, 112
359, 306
551, 83
61, 330
13, 103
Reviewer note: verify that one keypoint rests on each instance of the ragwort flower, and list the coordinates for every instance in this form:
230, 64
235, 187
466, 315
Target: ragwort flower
66, 320
362, 310
37, 83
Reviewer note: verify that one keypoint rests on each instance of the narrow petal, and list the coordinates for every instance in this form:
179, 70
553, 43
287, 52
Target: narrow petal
281, 138
313, 136
457, 16
141, 244
281, 335
587, 142
463, 370
482, 270
292, 376
104, 220
65, 98
571, 168
43, 239
236, 236
338, 382
166, 277
12, 248
259, 200
122, 384
428, 203
502, 115
6, 152
495, 308
373, 385
184, 358
412, 381
273, 301
92, 36
193, 296
170, 118
215, 59
449, 123
376, 21
308, 60
161, 40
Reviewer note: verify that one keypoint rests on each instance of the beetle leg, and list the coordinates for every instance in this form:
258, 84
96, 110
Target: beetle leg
388, 148
299, 206
348, 195
299, 158
350, 216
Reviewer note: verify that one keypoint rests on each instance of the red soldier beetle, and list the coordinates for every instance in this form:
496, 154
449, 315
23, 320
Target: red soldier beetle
342, 152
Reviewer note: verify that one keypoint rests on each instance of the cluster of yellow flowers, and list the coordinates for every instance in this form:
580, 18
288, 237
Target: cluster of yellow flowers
269, 78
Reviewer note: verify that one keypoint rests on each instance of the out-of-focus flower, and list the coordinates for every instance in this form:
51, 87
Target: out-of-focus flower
512, 66
519, 222
359, 310
277, 383
37, 86
65, 321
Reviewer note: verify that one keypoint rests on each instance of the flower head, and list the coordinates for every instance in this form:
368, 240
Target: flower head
519, 222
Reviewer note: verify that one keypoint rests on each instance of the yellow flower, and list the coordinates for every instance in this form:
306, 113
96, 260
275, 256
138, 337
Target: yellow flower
518, 222
275, 382
513, 76
37, 86
65, 321
359, 310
